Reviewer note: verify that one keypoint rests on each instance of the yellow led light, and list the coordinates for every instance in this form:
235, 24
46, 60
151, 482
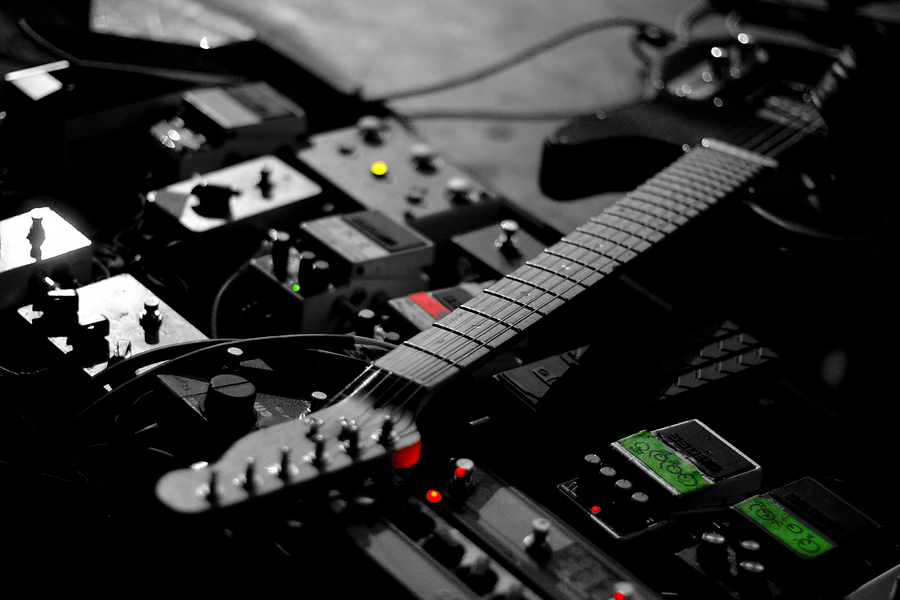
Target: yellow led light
379, 168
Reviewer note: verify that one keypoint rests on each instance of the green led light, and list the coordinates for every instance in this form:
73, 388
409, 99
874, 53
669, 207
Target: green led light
296, 287
799, 537
678, 473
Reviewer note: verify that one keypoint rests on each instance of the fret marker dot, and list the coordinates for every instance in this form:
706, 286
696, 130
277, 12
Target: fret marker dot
296, 287
433, 496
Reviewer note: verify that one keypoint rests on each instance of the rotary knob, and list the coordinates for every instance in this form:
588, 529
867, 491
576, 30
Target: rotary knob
423, 157
371, 129
229, 402
508, 242
281, 249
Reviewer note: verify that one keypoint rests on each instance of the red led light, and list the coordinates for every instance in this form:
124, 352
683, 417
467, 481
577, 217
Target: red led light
620, 596
460, 472
433, 496
595, 509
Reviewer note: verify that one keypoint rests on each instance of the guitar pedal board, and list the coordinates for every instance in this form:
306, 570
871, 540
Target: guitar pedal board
324, 358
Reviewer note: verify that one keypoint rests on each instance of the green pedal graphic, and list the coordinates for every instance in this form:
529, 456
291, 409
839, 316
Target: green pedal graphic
775, 519
678, 473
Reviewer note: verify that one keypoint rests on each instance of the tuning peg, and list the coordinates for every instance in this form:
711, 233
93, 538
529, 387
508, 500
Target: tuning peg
285, 467
250, 482
351, 437
212, 494
314, 425
387, 436
346, 426
319, 456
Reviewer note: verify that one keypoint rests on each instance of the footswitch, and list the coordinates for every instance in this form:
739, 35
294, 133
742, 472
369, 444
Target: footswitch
260, 192
645, 478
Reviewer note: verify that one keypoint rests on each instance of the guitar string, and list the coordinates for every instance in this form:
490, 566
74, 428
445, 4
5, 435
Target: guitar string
426, 363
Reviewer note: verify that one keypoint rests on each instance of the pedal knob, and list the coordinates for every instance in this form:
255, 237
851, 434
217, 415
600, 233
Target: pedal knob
459, 189
423, 157
364, 322
589, 477
463, 480
281, 249
507, 242
446, 549
264, 183
151, 320
371, 129
536, 541
214, 201
229, 402
751, 580
712, 553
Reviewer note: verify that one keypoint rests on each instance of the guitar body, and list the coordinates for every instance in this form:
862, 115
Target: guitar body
747, 96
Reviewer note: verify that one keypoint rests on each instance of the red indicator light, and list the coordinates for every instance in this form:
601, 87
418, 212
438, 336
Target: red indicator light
433, 496
620, 596
596, 509
460, 472
409, 456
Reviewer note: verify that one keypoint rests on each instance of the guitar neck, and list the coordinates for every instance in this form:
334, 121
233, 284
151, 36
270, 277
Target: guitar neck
504, 312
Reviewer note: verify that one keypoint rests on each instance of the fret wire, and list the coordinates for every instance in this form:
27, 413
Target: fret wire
722, 160
685, 194
588, 276
616, 252
538, 311
463, 335
489, 317
683, 177
711, 169
600, 262
677, 194
644, 195
629, 213
549, 270
686, 212
726, 179
648, 234
536, 286
626, 224
640, 206
409, 344
618, 237
568, 240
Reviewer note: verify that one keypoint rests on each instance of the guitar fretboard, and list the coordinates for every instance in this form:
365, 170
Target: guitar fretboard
642, 218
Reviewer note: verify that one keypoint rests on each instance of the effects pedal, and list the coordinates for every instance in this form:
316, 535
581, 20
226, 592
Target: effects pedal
217, 125
497, 250
800, 538
646, 479
261, 192
108, 320
38, 244
339, 264
384, 167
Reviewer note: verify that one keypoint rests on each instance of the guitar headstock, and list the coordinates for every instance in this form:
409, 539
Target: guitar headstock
332, 444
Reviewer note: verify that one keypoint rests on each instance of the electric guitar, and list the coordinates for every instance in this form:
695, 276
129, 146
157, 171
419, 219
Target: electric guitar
373, 418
